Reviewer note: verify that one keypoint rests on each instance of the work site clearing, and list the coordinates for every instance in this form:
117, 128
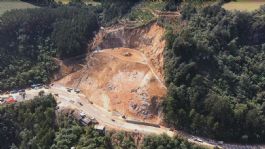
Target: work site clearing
123, 80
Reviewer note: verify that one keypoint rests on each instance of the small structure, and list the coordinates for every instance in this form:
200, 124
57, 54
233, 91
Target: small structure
100, 128
11, 100
85, 121
127, 54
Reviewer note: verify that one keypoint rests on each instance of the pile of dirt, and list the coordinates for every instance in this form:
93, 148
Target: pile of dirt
127, 81
147, 39
68, 66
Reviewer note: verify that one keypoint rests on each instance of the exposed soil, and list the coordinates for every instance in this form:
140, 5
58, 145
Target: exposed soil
148, 40
125, 73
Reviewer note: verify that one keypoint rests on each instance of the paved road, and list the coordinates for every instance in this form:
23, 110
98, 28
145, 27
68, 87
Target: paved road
67, 99
103, 117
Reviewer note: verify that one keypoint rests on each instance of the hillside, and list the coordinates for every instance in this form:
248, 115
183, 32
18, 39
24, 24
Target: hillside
215, 75
193, 69
130, 85
10, 5
32, 38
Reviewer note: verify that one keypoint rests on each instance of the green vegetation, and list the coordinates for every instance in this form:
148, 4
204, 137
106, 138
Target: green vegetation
121, 140
124, 140
10, 5
70, 134
31, 38
28, 125
112, 10
172, 5
215, 75
165, 142
145, 12
35, 124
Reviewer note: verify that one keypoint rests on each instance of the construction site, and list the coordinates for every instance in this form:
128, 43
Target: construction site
124, 74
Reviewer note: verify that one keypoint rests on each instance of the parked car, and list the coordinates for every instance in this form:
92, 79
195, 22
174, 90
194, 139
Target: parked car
35, 86
21, 91
80, 103
77, 90
82, 114
13, 92
220, 142
198, 140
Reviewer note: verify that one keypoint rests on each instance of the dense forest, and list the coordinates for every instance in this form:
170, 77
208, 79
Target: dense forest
112, 10
165, 142
28, 125
35, 124
215, 73
30, 39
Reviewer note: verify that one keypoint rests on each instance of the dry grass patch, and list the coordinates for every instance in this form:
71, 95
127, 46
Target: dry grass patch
243, 5
9, 5
88, 2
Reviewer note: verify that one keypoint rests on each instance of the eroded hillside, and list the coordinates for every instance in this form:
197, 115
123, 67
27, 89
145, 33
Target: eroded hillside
124, 74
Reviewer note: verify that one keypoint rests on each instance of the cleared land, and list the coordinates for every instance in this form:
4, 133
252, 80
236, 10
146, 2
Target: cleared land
243, 5
9, 5
88, 2
144, 12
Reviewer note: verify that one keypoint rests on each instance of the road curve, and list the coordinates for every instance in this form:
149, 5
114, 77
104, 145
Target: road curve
67, 99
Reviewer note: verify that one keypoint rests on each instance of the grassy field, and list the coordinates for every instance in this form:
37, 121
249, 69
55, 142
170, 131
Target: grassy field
244, 5
144, 12
85, 1
9, 5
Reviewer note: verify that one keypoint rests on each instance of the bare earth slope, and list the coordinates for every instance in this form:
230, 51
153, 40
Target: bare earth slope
127, 81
